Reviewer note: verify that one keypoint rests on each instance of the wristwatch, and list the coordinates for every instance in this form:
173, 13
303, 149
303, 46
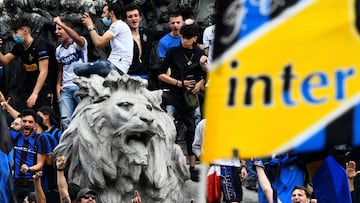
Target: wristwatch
91, 28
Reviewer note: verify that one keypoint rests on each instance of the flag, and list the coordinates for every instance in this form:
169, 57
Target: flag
283, 78
330, 183
6, 157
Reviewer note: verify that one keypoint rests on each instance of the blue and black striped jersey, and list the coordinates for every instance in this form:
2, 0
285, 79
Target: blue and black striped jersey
26, 149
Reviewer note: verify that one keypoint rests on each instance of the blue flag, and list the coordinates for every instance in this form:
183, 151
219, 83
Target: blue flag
330, 183
6, 157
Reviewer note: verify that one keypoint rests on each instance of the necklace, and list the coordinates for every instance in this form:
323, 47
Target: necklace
189, 62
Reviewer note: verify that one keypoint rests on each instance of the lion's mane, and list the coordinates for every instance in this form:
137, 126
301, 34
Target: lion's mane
120, 140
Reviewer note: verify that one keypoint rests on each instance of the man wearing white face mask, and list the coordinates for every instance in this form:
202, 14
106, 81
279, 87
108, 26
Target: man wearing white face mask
120, 39
34, 91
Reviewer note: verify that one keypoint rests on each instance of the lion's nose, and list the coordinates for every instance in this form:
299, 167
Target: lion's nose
147, 119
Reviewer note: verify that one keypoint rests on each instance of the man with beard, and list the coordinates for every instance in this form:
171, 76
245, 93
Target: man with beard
30, 151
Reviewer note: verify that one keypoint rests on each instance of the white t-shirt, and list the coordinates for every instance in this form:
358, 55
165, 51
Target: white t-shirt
68, 57
208, 40
122, 45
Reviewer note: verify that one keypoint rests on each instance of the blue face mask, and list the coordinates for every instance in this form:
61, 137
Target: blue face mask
18, 39
106, 21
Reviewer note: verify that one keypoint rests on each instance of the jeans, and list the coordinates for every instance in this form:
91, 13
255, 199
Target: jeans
170, 109
250, 171
67, 105
99, 67
197, 115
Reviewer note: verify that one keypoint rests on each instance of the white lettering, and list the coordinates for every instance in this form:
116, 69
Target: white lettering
24, 149
233, 17
236, 12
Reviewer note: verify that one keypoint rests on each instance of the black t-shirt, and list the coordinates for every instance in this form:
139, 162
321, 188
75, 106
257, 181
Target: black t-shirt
177, 58
31, 56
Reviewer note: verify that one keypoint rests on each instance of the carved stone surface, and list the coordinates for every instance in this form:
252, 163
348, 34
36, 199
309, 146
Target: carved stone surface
120, 140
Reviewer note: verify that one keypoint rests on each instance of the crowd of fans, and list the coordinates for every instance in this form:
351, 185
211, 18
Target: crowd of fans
179, 68
37, 127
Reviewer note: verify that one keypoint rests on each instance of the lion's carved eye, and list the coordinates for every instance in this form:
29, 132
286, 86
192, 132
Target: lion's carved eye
125, 104
149, 107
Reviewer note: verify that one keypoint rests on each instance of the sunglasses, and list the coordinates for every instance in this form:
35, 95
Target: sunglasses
87, 196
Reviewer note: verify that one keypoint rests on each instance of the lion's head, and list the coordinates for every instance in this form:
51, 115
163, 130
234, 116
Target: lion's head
120, 140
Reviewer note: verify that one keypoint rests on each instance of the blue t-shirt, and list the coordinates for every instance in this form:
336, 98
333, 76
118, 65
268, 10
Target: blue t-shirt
48, 179
166, 43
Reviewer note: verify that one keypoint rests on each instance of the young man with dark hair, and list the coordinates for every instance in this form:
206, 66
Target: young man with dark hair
30, 151
72, 50
172, 39
121, 42
300, 194
34, 91
144, 39
185, 63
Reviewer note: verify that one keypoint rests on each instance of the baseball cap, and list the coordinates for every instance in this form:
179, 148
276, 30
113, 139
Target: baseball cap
83, 192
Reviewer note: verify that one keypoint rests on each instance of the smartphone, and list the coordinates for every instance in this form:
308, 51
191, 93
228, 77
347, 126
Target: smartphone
190, 77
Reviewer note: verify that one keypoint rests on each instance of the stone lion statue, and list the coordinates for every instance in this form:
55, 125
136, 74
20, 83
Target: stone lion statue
120, 140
